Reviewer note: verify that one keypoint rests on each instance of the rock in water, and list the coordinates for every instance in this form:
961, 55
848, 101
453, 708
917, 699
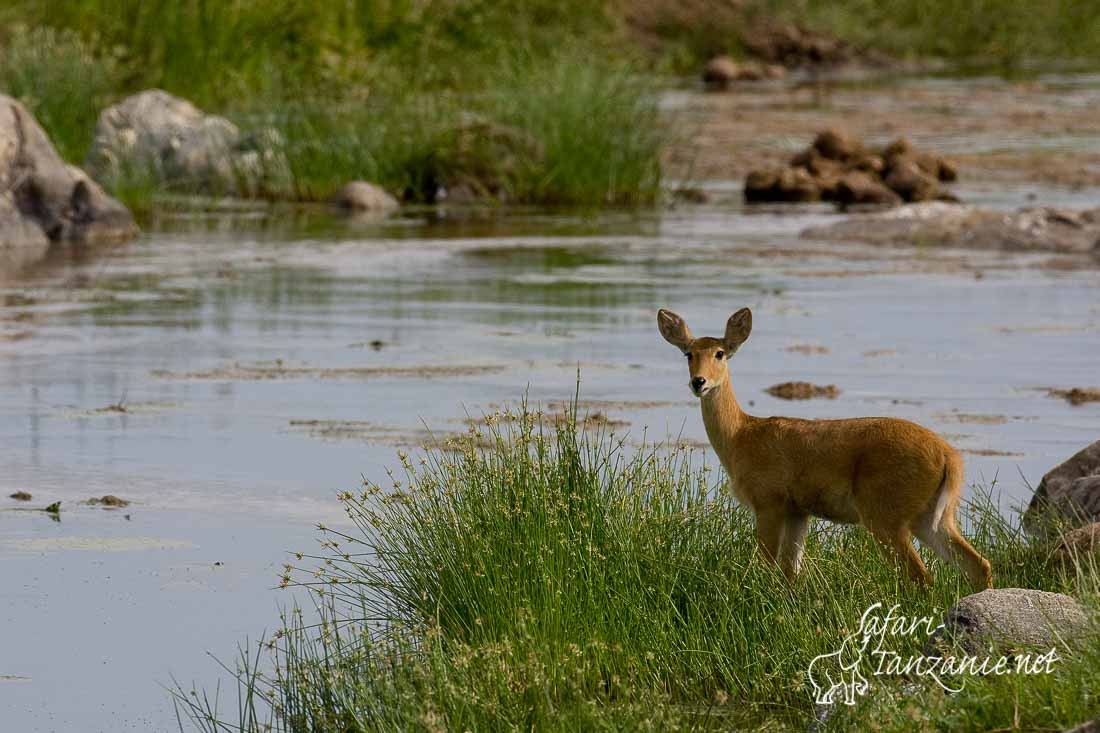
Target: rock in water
858, 187
1003, 620
363, 196
1070, 491
155, 134
719, 73
840, 168
45, 200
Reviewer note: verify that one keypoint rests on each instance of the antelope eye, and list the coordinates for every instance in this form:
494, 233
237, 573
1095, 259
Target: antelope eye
719, 354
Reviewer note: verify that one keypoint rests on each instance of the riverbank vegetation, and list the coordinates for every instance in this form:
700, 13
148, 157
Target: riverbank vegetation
541, 576
394, 90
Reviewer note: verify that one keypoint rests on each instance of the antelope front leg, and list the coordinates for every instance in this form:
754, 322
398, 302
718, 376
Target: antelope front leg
769, 528
792, 541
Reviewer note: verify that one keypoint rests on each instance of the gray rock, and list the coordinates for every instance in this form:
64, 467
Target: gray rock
1092, 726
953, 225
363, 196
155, 134
1070, 491
1009, 619
45, 200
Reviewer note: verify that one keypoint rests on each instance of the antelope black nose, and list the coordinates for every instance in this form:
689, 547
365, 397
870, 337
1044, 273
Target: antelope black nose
697, 383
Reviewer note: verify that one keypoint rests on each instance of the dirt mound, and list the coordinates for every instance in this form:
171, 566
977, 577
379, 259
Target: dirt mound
839, 168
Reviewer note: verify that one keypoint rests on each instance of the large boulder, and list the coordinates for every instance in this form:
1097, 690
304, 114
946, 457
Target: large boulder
1069, 491
43, 199
1005, 620
953, 225
154, 134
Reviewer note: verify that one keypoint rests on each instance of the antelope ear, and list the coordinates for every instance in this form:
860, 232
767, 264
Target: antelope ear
738, 328
674, 329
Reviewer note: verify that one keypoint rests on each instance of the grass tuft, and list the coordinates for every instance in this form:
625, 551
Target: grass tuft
62, 81
556, 578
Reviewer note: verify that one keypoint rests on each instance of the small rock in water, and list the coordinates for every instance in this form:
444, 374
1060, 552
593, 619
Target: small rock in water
802, 391
1076, 395
363, 196
21, 496
109, 500
719, 72
377, 344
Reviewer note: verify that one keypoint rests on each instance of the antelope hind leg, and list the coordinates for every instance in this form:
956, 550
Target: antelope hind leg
947, 542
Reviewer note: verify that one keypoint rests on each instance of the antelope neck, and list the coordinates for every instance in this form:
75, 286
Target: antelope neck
722, 416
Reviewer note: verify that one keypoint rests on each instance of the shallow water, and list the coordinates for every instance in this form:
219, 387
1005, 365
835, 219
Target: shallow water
239, 347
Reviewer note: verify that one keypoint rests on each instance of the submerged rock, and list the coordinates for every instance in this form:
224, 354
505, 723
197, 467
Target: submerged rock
43, 200
1069, 491
157, 135
953, 225
1004, 620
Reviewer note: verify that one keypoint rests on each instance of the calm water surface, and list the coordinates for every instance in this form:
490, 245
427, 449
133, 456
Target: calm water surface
240, 346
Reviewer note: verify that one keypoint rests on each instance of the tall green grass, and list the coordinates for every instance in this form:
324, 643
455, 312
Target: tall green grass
543, 577
521, 100
62, 79
547, 131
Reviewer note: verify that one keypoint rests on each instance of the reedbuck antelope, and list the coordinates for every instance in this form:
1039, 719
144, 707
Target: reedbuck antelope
894, 477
